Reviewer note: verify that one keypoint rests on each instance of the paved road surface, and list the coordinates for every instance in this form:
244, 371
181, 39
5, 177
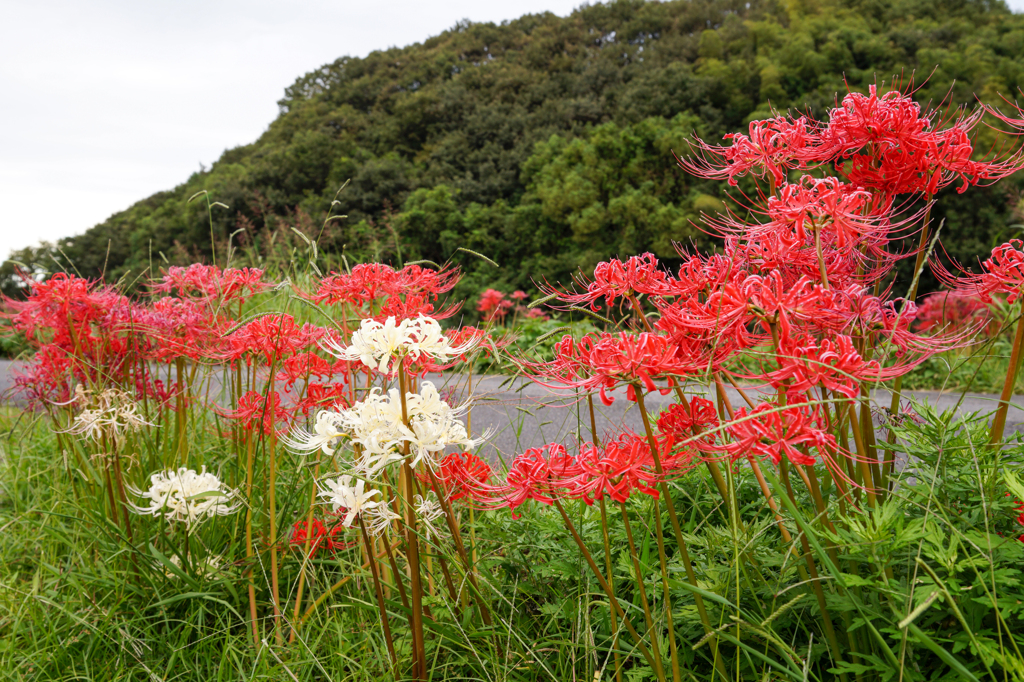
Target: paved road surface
521, 415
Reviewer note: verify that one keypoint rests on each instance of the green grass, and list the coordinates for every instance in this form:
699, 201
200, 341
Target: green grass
78, 601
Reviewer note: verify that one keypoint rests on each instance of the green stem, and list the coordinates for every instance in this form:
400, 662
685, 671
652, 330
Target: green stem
644, 651
306, 552
398, 576
659, 669
449, 516
611, 584
684, 551
897, 388
384, 621
716, 473
821, 258
412, 547
812, 569
607, 550
250, 452
862, 457
179, 366
999, 421
274, 586
335, 587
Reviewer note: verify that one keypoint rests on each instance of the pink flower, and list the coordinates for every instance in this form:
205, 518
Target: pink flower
493, 305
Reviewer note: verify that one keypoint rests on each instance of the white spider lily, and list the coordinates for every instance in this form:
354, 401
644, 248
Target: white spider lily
375, 427
380, 519
109, 413
90, 423
376, 344
326, 431
433, 425
428, 510
428, 339
186, 496
430, 434
341, 494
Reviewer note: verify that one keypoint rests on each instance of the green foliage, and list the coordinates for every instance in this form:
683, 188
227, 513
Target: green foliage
544, 142
932, 578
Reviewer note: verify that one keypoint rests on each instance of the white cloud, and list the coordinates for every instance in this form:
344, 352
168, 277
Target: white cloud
107, 102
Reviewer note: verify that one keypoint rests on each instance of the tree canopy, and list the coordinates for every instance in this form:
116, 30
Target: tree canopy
546, 143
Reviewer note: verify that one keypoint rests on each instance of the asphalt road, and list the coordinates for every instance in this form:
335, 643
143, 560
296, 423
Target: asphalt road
521, 414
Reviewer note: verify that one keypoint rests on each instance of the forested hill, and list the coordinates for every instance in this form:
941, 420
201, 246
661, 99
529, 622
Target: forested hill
545, 142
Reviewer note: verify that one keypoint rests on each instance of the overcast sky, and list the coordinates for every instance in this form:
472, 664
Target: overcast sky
104, 102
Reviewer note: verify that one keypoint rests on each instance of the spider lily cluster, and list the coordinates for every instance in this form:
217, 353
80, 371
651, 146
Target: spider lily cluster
799, 301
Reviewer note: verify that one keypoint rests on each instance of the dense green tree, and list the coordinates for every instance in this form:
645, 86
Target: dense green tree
545, 142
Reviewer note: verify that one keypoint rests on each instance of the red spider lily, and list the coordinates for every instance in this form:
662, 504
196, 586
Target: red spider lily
462, 475
270, 338
770, 301
76, 327
307, 365
616, 469
47, 378
954, 311
323, 396
366, 282
679, 422
301, 532
333, 538
1020, 517
180, 327
700, 275
767, 431
537, 474
412, 305
518, 295
892, 147
892, 320
74, 314
196, 278
209, 281
255, 411
370, 281
433, 282
241, 284
608, 360
493, 305
480, 340
806, 363
709, 331
614, 279
64, 303
827, 204
1003, 274
772, 148
155, 389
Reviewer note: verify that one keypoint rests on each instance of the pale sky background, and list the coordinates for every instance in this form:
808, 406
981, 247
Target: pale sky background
105, 102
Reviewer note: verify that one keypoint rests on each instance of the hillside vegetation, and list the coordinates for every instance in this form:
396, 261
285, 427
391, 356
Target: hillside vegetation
545, 142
